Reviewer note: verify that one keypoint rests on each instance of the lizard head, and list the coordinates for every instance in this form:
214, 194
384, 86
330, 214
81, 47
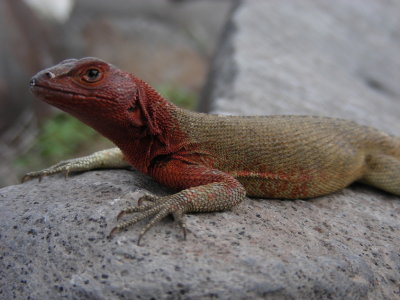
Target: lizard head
98, 94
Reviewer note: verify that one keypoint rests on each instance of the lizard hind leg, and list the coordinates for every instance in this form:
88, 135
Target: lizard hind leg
215, 196
383, 171
202, 190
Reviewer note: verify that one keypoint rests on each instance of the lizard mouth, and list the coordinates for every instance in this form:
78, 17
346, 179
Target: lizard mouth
48, 93
41, 90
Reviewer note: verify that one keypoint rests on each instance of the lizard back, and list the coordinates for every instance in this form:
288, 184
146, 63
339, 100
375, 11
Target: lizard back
286, 156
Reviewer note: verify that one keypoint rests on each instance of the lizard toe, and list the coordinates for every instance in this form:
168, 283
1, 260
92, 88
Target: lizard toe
148, 197
33, 175
157, 210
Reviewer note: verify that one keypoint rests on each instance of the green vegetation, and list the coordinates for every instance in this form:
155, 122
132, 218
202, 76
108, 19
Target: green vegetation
180, 96
62, 135
59, 137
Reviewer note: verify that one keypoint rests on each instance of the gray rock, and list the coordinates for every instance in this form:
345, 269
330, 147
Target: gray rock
344, 246
54, 245
312, 57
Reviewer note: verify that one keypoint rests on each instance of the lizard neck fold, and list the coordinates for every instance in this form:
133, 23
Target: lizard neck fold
157, 133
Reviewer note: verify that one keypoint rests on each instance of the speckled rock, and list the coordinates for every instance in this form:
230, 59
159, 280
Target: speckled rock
53, 245
338, 58
53, 241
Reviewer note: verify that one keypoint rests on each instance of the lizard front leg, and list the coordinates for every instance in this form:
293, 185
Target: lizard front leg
204, 190
109, 158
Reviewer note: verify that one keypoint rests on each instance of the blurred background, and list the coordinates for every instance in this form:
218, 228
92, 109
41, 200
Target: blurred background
168, 43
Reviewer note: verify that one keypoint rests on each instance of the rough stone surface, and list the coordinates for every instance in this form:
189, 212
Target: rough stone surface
53, 245
337, 58
344, 246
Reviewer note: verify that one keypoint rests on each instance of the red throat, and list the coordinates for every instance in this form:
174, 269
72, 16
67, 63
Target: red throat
157, 132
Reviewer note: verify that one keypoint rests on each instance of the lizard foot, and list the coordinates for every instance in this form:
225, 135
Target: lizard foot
158, 208
65, 167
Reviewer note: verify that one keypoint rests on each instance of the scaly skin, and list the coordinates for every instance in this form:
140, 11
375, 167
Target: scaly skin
213, 161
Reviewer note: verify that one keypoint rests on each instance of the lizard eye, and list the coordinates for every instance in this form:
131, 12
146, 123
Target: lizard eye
92, 75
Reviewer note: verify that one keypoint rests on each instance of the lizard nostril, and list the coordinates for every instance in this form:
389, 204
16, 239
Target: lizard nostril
50, 74
32, 82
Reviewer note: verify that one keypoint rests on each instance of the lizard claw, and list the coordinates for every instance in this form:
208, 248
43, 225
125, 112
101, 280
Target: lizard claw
121, 214
66, 174
113, 232
147, 197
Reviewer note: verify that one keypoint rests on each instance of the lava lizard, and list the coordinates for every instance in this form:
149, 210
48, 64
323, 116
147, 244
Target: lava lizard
212, 161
